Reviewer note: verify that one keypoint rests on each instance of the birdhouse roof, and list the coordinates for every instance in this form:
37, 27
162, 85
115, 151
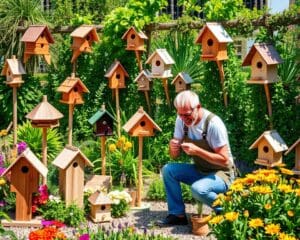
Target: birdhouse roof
70, 83
32, 159
140, 33
67, 155
267, 53
217, 30
34, 32
145, 73
113, 68
184, 76
44, 111
98, 115
136, 118
83, 31
292, 147
163, 55
99, 198
15, 66
274, 139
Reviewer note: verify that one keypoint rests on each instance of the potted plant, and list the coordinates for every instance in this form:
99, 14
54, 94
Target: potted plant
200, 221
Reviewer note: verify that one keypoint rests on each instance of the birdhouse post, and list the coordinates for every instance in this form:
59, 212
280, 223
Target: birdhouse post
295, 146
140, 125
144, 83
100, 207
182, 82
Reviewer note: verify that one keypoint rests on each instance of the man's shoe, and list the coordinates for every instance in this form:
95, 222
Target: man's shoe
172, 219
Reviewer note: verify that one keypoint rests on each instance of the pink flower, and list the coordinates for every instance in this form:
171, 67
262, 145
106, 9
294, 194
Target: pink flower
85, 236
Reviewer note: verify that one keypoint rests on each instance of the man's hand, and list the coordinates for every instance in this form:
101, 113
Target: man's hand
189, 148
174, 147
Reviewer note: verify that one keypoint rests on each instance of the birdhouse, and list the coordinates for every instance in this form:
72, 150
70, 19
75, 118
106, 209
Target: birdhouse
143, 80
116, 75
72, 90
71, 163
270, 147
24, 174
103, 122
44, 115
263, 59
161, 63
13, 70
98, 183
295, 146
83, 37
100, 207
141, 124
37, 40
135, 40
182, 82
213, 39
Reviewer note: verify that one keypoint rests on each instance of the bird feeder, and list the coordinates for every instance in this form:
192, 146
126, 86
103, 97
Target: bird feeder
144, 84
182, 82
100, 207
295, 146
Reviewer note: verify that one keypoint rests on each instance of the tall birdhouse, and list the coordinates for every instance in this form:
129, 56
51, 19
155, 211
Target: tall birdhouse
295, 146
213, 39
13, 70
143, 80
24, 174
100, 207
263, 59
71, 163
72, 90
161, 63
83, 37
270, 147
135, 40
182, 82
37, 39
116, 75
141, 124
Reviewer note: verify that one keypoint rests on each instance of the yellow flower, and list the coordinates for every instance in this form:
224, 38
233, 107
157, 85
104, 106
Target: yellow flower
246, 213
256, 222
2, 181
272, 178
261, 189
112, 147
3, 132
217, 202
231, 216
297, 191
290, 213
283, 236
216, 219
285, 188
272, 229
128, 145
286, 171
237, 187
122, 139
268, 206
298, 181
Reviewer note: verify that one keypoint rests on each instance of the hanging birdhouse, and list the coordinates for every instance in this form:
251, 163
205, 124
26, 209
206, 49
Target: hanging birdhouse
213, 39
143, 80
270, 147
24, 174
71, 163
37, 40
135, 40
116, 75
182, 82
13, 70
161, 63
100, 207
141, 124
72, 90
295, 146
83, 37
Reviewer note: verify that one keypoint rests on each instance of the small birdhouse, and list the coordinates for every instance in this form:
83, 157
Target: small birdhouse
161, 63
37, 40
295, 146
83, 37
44, 115
24, 174
263, 59
71, 163
72, 90
135, 40
270, 147
98, 183
116, 75
100, 207
143, 80
141, 124
13, 70
213, 39
182, 82
103, 122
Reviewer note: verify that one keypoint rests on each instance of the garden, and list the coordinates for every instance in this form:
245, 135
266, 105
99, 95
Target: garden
86, 91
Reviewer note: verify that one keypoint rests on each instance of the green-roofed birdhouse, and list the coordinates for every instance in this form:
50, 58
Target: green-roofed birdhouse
13, 70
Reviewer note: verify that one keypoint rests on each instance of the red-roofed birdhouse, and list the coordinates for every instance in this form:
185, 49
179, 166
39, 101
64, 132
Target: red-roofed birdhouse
13, 70
116, 75
161, 63
135, 39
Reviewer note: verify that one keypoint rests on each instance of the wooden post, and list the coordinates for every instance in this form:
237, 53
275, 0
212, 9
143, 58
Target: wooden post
44, 151
222, 78
268, 97
148, 101
71, 110
140, 171
118, 112
15, 127
103, 166
165, 84
138, 57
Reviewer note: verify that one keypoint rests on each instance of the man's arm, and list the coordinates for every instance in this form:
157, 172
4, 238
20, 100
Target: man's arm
175, 147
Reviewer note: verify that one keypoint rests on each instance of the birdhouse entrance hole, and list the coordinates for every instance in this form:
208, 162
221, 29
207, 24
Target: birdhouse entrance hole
143, 123
118, 76
42, 45
75, 89
210, 42
259, 65
265, 149
25, 169
103, 207
75, 164
132, 36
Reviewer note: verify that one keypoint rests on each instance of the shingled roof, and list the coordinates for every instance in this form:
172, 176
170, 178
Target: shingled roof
34, 32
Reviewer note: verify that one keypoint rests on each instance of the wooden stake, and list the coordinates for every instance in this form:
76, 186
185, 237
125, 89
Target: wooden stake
165, 84
103, 166
15, 127
118, 112
148, 101
71, 110
140, 175
138, 57
44, 151
268, 97
222, 78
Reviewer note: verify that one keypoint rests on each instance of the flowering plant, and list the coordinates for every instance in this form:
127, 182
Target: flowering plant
263, 205
120, 202
40, 198
50, 231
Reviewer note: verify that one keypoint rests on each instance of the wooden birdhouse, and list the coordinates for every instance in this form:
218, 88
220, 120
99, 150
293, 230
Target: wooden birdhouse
72, 90
71, 163
100, 207
13, 70
37, 40
263, 59
103, 122
182, 82
141, 124
295, 146
143, 80
213, 39
161, 63
116, 75
270, 147
24, 174
135, 39
83, 37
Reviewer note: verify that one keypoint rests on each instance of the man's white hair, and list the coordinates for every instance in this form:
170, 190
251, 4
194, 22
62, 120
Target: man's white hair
186, 98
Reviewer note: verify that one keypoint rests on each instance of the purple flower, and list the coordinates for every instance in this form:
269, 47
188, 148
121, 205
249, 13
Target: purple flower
2, 169
21, 147
85, 236
47, 223
2, 203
